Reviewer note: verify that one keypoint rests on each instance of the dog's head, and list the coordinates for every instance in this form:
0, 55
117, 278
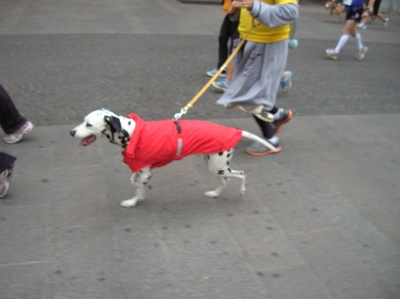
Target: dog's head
117, 129
330, 4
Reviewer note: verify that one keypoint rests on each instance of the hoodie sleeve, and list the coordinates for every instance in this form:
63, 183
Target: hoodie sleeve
275, 15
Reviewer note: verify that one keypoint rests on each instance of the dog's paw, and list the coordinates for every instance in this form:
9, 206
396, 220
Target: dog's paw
129, 203
212, 194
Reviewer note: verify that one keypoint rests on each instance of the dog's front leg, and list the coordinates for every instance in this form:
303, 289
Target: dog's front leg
140, 179
329, 16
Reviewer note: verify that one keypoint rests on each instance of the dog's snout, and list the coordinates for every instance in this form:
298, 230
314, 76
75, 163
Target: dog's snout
73, 132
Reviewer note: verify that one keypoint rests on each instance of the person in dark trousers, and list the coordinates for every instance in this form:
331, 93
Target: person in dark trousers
12, 122
227, 34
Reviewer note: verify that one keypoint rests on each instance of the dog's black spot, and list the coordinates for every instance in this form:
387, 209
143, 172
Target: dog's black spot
208, 157
230, 170
220, 154
228, 155
227, 163
221, 172
129, 123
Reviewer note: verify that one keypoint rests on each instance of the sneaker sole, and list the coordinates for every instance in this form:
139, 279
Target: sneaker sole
222, 75
268, 152
288, 118
218, 88
268, 118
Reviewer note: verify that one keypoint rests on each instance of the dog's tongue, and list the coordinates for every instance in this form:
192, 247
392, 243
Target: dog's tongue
88, 140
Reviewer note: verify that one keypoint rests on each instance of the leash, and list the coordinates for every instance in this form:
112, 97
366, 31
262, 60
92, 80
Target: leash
189, 105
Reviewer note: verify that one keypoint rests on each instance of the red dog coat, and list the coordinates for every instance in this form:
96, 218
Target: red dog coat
157, 143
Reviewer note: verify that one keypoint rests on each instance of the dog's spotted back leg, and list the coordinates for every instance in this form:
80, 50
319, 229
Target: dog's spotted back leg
219, 164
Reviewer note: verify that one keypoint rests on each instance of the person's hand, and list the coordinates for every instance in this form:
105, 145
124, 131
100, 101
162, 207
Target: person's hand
366, 13
243, 3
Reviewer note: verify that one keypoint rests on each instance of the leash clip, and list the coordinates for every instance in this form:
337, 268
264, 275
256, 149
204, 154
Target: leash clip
179, 114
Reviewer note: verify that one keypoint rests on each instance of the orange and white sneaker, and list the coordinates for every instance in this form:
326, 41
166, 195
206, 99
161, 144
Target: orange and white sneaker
257, 149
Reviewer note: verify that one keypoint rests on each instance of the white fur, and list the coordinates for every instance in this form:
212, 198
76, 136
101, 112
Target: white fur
94, 124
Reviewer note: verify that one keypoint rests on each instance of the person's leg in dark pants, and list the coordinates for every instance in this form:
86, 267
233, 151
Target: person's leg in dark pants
13, 124
10, 119
223, 40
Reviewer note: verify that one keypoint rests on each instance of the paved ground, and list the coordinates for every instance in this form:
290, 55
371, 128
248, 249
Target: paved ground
319, 220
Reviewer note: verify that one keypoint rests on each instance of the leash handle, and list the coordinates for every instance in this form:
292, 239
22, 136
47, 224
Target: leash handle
221, 69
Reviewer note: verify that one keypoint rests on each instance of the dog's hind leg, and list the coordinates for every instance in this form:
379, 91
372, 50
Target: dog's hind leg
219, 165
140, 179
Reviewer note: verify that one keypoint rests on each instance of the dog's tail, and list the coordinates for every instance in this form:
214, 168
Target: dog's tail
253, 137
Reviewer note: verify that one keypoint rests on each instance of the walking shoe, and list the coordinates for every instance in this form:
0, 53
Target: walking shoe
221, 85
4, 183
361, 25
257, 149
385, 22
331, 53
361, 53
212, 72
19, 134
286, 116
286, 81
259, 112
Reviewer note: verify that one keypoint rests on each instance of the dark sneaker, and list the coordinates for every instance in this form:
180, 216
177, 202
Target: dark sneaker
257, 149
276, 126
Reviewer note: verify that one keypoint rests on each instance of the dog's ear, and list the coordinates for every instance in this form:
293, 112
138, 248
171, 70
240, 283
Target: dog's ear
113, 123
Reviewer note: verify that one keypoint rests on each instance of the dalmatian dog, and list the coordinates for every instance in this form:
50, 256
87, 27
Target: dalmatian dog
147, 145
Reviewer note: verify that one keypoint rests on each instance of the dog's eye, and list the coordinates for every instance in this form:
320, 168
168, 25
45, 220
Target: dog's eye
89, 125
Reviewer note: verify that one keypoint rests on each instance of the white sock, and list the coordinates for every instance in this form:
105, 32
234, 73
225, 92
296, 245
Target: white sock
342, 41
274, 140
278, 114
359, 41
